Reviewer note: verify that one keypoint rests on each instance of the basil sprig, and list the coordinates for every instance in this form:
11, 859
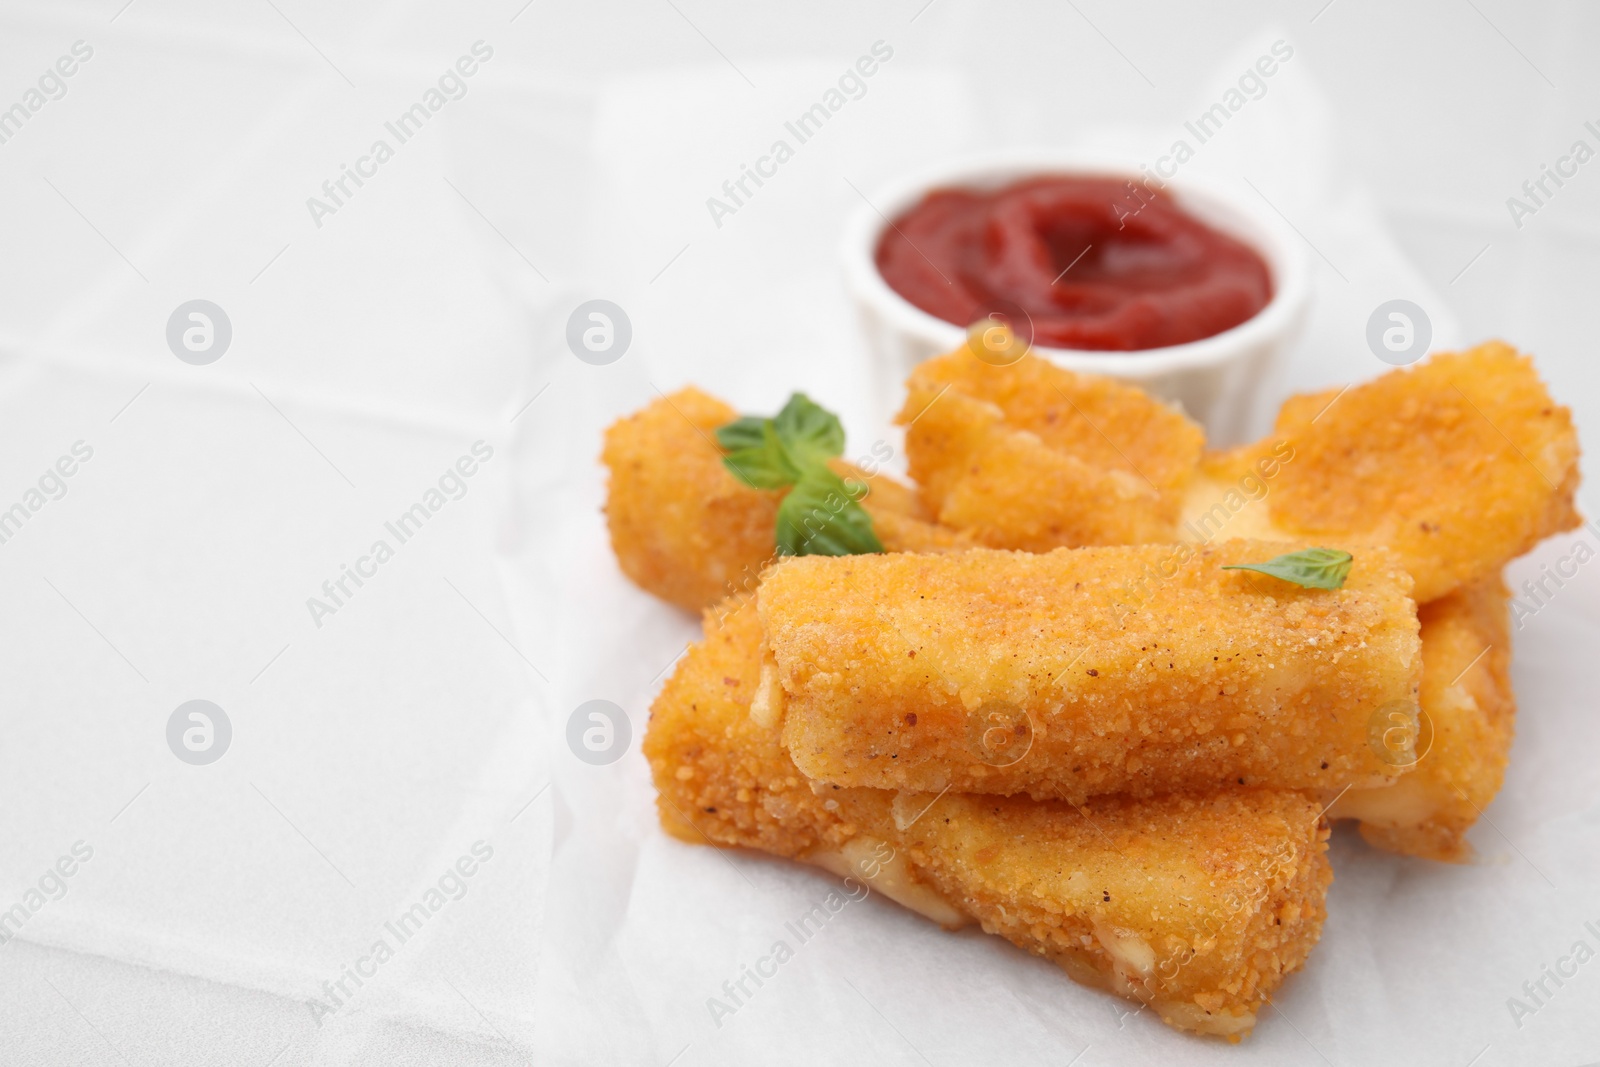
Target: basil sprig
820, 515
1313, 568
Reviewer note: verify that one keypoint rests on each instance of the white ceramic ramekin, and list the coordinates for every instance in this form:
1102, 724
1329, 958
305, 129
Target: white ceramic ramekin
1215, 380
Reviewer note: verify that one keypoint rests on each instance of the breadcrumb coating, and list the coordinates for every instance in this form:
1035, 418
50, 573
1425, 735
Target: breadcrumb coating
1465, 744
1032, 456
688, 531
1459, 464
720, 777
1197, 907
1080, 672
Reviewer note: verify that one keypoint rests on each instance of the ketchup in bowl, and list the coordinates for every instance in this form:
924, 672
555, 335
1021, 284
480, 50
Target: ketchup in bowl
1095, 262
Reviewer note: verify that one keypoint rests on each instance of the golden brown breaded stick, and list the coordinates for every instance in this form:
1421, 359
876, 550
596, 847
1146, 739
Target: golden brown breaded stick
687, 530
1032, 456
1469, 708
722, 778
718, 773
1198, 907
1080, 672
1458, 464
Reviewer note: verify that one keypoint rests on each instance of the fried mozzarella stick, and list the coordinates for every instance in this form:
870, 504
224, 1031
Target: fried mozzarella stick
1035, 457
1079, 672
1458, 464
1465, 738
688, 531
1197, 907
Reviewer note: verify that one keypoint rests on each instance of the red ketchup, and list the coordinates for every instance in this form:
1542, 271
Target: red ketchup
1095, 262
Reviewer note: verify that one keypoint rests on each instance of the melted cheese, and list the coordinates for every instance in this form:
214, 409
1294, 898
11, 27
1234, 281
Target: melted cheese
1408, 802
766, 707
1208, 517
884, 868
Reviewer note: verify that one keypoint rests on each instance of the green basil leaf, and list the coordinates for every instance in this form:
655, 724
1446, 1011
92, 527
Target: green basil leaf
821, 517
1314, 568
741, 433
811, 433
763, 466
